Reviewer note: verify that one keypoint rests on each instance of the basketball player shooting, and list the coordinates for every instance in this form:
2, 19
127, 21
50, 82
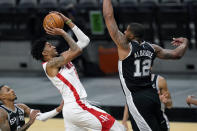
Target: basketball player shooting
78, 114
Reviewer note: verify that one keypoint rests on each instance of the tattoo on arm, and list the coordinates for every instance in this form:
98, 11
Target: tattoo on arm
167, 54
71, 42
56, 62
164, 53
25, 127
176, 53
4, 125
112, 27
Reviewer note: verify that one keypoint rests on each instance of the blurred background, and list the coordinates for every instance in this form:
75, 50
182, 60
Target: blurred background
21, 24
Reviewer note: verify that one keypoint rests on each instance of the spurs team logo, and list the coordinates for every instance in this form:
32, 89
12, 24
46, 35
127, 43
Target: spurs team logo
104, 118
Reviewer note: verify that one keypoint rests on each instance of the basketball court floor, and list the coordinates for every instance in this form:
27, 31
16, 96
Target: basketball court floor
58, 125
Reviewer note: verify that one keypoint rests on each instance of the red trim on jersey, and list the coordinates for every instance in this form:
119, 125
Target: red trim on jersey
44, 62
105, 119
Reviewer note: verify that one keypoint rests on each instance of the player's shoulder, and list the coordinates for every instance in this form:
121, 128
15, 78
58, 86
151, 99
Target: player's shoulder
161, 78
22, 106
150, 45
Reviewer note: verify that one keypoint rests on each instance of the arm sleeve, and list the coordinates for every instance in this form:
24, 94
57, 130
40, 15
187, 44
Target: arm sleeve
83, 40
47, 115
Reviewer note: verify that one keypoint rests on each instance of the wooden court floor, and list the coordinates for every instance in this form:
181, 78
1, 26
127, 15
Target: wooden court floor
58, 125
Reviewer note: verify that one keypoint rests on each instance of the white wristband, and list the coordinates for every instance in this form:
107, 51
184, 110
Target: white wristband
47, 115
83, 40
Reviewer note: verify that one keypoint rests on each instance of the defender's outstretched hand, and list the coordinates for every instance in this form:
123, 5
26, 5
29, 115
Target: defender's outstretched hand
179, 41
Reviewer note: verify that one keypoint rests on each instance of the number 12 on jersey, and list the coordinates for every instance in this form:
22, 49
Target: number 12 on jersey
144, 65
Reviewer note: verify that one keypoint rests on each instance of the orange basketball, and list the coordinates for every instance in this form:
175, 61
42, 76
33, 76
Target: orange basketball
53, 20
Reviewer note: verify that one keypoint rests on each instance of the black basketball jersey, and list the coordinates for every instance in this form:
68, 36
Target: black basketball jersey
15, 118
135, 69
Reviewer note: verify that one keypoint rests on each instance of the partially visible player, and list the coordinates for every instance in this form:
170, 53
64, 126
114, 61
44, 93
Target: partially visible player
160, 84
78, 114
12, 115
191, 100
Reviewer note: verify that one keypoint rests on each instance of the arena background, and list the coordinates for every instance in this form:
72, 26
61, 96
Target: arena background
21, 24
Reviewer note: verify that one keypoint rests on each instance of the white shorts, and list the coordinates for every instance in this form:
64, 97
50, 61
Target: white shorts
81, 116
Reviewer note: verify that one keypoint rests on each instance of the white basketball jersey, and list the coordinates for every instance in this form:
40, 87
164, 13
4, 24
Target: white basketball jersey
68, 83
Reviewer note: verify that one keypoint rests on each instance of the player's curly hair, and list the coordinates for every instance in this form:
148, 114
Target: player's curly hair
37, 48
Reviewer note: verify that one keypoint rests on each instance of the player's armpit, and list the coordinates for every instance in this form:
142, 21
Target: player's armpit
4, 125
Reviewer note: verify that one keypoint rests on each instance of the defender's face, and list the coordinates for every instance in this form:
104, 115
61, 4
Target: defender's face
8, 94
50, 49
129, 35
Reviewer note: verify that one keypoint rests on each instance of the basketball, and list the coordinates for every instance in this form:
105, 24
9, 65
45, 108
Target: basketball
53, 20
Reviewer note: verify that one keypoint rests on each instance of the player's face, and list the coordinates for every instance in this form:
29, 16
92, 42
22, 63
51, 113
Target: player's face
8, 93
128, 33
51, 49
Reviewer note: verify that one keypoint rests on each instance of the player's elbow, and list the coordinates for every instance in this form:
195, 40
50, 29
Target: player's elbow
169, 105
83, 43
176, 55
86, 40
79, 51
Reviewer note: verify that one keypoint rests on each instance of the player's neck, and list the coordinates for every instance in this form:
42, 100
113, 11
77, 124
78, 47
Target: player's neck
9, 105
138, 40
48, 58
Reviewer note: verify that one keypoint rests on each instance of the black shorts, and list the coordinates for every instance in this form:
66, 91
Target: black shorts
145, 111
